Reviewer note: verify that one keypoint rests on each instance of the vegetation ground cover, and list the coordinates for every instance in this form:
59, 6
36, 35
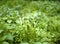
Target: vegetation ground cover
29, 22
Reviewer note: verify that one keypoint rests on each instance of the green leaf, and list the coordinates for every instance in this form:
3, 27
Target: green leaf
1, 31
9, 21
9, 37
38, 43
24, 43
5, 43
